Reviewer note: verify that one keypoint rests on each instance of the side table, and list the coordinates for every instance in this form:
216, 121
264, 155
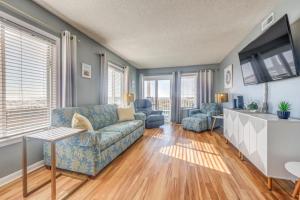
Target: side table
214, 119
294, 168
52, 136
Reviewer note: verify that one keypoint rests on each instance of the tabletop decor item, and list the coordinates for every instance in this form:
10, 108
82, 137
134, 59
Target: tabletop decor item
240, 102
252, 107
284, 110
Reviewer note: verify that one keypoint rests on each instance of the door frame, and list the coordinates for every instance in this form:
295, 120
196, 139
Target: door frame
156, 78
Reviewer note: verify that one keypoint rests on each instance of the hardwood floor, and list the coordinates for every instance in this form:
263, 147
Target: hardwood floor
167, 163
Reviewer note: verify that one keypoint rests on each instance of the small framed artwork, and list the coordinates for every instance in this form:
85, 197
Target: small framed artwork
86, 70
228, 77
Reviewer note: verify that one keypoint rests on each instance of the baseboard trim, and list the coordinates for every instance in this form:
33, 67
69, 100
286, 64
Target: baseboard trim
18, 174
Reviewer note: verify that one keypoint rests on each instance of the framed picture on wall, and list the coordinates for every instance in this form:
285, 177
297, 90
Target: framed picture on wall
228, 77
86, 71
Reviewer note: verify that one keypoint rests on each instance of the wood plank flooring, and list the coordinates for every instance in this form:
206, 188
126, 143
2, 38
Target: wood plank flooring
167, 163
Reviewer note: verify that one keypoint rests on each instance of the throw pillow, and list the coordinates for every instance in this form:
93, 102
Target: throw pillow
125, 114
80, 121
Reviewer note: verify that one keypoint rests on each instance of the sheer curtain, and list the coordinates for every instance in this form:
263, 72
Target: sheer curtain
103, 79
68, 70
205, 87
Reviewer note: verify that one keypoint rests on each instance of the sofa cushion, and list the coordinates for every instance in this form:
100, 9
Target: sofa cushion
124, 128
200, 115
63, 116
108, 139
209, 107
125, 114
153, 118
85, 139
103, 115
195, 124
81, 122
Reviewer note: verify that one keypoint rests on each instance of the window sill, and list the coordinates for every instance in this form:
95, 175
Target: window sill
11, 140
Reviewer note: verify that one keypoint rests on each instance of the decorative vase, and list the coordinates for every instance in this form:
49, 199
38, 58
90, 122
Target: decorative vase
234, 103
283, 114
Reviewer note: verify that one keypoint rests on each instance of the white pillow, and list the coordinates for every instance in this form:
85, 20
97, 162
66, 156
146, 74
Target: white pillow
80, 121
125, 114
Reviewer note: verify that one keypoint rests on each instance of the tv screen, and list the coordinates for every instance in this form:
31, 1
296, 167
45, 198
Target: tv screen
271, 56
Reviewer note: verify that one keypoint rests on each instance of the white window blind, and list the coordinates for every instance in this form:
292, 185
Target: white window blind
115, 85
27, 79
188, 90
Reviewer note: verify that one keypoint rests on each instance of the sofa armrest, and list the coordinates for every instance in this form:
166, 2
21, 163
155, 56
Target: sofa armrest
193, 111
140, 116
156, 112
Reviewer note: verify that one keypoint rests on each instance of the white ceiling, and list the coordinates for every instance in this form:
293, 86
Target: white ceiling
164, 33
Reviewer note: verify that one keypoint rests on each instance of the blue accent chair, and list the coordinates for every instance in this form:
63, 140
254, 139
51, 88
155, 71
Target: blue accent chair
201, 119
154, 118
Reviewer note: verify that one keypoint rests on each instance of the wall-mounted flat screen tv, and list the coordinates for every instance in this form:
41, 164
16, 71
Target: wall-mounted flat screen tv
271, 56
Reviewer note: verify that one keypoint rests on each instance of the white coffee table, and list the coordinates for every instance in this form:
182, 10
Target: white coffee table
294, 168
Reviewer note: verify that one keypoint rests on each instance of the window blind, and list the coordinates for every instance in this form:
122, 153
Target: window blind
188, 90
115, 85
27, 79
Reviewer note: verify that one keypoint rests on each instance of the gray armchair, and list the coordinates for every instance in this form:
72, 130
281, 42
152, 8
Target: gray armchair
207, 111
154, 118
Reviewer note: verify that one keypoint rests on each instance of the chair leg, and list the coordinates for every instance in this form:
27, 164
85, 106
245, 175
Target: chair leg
297, 188
270, 184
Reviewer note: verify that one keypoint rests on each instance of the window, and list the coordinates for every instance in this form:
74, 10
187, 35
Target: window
188, 90
27, 79
115, 84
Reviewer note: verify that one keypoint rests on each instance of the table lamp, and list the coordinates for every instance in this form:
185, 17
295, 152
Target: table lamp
221, 97
130, 98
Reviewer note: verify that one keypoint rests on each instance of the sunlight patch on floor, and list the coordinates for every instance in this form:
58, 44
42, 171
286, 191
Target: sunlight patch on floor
202, 146
203, 154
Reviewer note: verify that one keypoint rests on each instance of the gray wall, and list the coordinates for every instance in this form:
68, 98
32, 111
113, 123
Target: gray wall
279, 90
88, 89
169, 70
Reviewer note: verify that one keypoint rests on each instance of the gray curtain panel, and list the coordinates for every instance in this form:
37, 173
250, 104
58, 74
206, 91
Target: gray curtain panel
205, 87
68, 70
103, 79
176, 98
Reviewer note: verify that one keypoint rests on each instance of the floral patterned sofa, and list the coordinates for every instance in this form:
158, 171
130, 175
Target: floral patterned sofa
89, 152
201, 119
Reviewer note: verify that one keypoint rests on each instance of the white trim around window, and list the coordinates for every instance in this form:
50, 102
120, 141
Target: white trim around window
53, 87
116, 84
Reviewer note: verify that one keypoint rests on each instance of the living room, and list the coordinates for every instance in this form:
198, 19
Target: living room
149, 99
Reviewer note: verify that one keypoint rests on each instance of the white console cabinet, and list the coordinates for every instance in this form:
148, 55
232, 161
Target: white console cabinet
264, 140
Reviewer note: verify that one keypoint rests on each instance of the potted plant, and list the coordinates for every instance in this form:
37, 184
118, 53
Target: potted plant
252, 107
284, 110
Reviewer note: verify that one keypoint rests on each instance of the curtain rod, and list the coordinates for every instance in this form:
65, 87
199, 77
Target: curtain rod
27, 16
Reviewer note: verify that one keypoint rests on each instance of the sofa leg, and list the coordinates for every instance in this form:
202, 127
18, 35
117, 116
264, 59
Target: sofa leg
92, 177
48, 167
